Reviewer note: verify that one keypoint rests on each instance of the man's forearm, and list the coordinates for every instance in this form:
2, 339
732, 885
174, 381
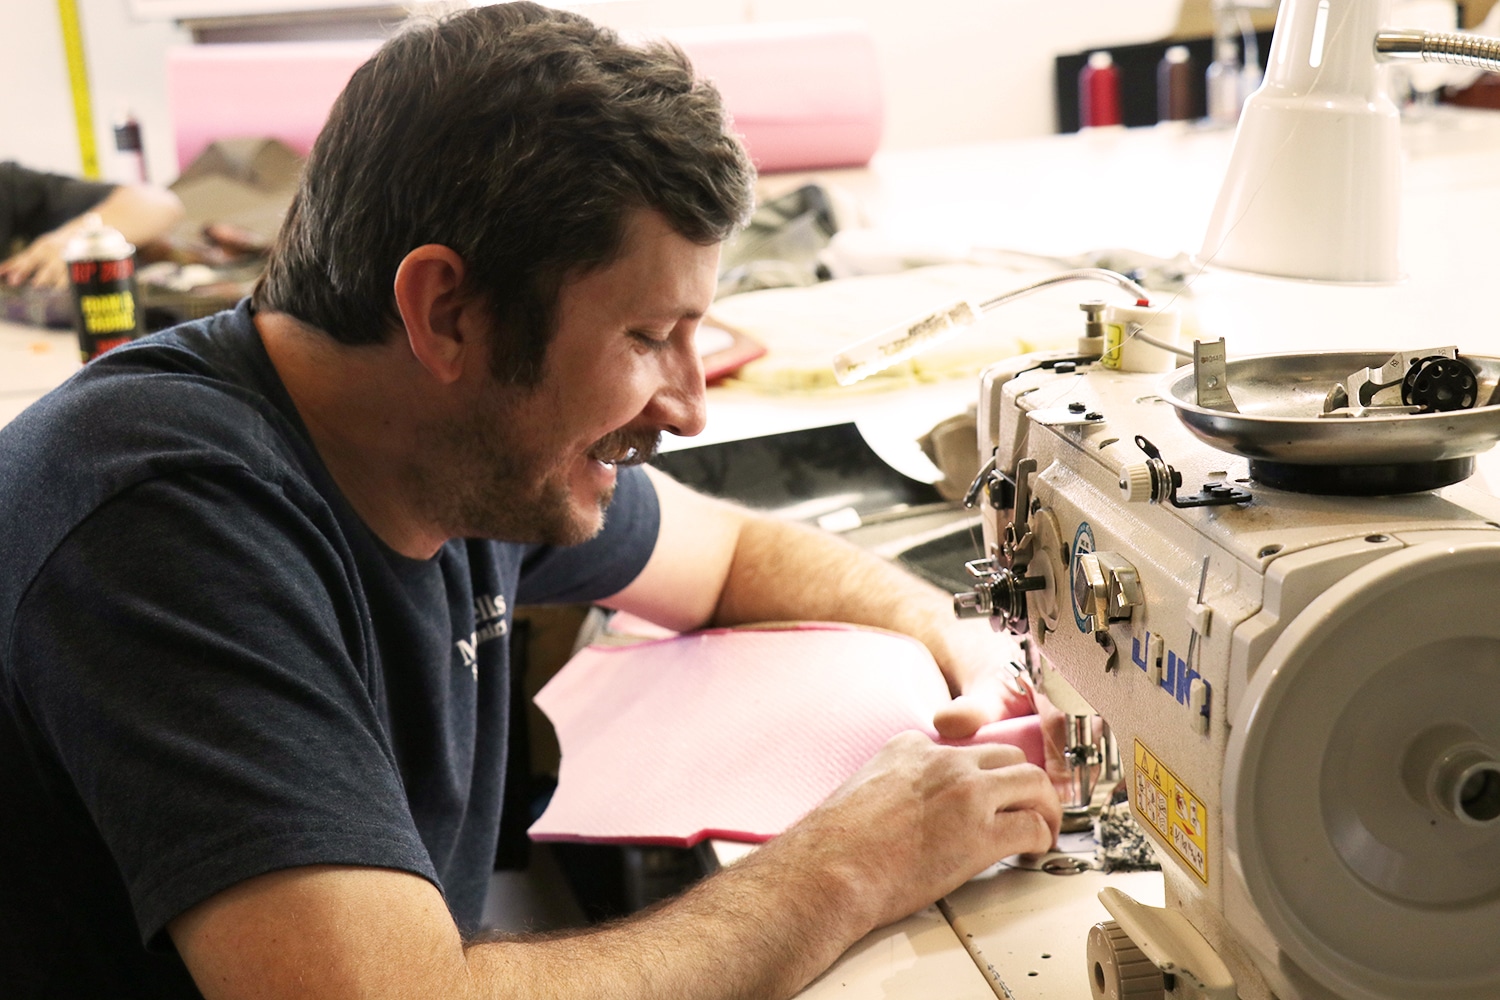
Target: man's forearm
762, 929
783, 571
908, 828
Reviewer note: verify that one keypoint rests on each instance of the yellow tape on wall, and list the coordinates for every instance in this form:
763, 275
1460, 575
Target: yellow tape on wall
78, 80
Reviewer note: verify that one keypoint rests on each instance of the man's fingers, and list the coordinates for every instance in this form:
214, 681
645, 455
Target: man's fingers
1012, 784
997, 755
1026, 788
1024, 831
994, 694
961, 718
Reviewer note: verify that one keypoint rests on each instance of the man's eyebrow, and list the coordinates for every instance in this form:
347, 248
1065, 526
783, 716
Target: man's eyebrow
673, 317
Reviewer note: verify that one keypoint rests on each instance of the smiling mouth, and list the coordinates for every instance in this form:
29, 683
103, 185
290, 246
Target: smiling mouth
625, 448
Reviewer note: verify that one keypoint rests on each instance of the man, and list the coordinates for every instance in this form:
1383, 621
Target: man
243, 751
45, 211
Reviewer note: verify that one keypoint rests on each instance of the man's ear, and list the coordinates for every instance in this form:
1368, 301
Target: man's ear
443, 322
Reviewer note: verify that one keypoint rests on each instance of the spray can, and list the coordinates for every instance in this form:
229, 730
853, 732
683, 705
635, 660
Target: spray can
1099, 92
106, 307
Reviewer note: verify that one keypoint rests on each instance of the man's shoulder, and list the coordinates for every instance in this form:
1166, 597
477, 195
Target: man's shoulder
181, 404
196, 393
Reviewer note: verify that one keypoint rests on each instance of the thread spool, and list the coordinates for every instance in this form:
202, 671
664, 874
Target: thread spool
1126, 352
1099, 92
1174, 85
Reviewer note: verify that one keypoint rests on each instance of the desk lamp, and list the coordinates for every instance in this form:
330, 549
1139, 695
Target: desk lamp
1314, 182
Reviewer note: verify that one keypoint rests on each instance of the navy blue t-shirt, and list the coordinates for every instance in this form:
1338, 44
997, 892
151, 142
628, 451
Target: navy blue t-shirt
211, 669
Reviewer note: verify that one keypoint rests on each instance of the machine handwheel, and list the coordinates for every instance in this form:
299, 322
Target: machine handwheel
1362, 780
1118, 970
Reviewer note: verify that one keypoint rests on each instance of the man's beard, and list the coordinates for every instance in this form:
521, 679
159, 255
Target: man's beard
497, 487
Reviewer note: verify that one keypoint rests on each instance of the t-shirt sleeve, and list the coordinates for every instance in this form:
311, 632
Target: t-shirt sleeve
198, 658
35, 202
605, 564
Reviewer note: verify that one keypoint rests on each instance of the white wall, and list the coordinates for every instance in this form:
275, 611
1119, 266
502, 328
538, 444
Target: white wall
36, 113
954, 70
125, 60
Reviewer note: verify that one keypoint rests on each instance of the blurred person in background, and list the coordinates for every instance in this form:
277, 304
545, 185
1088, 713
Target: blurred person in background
41, 212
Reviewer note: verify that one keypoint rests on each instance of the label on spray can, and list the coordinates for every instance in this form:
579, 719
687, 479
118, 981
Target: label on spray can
106, 307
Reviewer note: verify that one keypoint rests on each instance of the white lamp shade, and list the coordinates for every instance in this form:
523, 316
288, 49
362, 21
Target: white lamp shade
1314, 182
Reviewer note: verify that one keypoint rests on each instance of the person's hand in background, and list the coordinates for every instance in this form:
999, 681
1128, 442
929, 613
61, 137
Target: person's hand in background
142, 213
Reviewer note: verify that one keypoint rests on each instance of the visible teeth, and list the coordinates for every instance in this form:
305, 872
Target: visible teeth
628, 456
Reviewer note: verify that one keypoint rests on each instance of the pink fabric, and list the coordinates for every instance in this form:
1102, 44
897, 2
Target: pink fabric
732, 733
803, 94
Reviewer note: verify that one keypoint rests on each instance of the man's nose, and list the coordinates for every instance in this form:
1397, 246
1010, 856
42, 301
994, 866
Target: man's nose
679, 405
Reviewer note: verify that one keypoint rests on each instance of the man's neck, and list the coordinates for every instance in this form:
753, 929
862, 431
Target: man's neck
364, 408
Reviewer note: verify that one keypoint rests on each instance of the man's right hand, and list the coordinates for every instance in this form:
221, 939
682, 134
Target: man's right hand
920, 819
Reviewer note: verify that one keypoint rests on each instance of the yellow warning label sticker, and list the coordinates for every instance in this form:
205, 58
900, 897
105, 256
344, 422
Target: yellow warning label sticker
1172, 810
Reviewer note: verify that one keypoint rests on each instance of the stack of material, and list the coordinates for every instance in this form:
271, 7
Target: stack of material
803, 328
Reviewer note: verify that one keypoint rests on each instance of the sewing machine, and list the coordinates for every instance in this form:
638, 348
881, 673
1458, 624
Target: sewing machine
1281, 601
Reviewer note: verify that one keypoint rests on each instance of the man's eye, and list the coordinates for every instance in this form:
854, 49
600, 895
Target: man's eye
652, 338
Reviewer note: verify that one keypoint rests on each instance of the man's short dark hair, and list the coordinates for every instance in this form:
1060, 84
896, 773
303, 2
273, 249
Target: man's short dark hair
520, 137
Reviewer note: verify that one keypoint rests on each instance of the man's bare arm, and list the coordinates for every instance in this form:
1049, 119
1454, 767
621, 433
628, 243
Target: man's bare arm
718, 564
912, 825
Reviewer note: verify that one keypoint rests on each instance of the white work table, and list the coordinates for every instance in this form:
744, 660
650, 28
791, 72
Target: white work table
1015, 932
32, 361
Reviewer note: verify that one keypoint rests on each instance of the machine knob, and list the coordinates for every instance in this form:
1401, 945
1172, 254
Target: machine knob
1118, 970
1138, 483
999, 594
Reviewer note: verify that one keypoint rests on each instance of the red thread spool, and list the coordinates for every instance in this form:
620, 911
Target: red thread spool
1099, 92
